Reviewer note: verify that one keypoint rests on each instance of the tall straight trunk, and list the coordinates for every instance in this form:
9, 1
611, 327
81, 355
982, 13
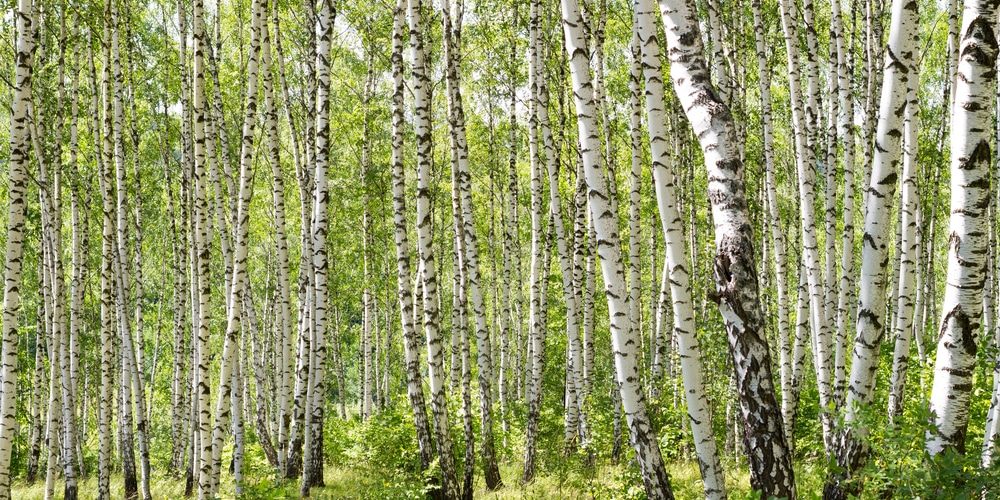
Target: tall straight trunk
509, 232
411, 346
461, 376
574, 366
845, 69
425, 249
537, 331
971, 160
180, 388
69, 330
107, 258
635, 194
312, 469
230, 355
178, 378
17, 195
202, 249
283, 317
367, 298
623, 338
851, 452
734, 267
676, 259
777, 238
908, 245
803, 124
132, 382
293, 460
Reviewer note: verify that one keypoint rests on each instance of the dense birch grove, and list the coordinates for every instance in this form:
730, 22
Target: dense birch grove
501, 249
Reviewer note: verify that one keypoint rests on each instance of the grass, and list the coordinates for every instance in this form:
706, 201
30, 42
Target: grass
605, 482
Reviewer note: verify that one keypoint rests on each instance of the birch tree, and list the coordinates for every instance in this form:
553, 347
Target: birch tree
624, 343
971, 158
17, 196
734, 268
851, 451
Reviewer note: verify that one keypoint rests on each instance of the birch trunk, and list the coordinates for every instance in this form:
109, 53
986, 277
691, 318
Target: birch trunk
908, 248
536, 337
230, 355
623, 338
735, 269
484, 361
17, 196
435, 355
851, 452
203, 257
971, 159
312, 470
281, 238
574, 367
676, 258
777, 237
803, 124
411, 347
845, 63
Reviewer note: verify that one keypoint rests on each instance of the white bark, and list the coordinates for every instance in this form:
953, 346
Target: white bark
623, 338
230, 355
874, 254
411, 347
908, 249
962, 305
803, 124
17, 196
735, 270
676, 258
777, 237
425, 249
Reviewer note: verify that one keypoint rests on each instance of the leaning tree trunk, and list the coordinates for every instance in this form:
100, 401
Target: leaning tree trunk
962, 306
425, 249
623, 337
851, 451
676, 256
735, 270
484, 361
17, 204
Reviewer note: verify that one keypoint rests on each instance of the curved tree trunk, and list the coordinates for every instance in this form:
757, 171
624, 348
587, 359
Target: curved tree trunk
676, 256
623, 338
735, 269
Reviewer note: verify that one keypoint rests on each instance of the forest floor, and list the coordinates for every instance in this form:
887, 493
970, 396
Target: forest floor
606, 482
